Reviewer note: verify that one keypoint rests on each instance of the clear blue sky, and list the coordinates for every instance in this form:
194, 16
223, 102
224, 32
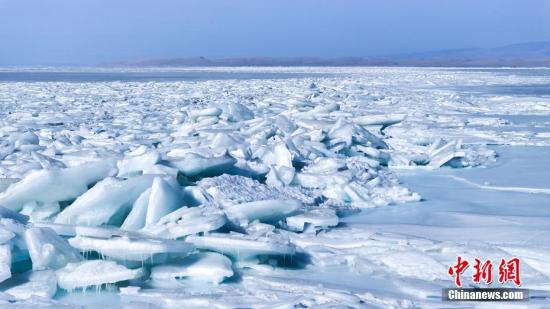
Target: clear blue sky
40, 32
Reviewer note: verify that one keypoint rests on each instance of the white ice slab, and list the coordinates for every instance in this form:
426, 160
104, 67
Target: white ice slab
48, 250
94, 273
193, 164
264, 211
107, 198
5, 262
243, 247
187, 221
323, 218
163, 200
54, 185
37, 284
131, 249
207, 266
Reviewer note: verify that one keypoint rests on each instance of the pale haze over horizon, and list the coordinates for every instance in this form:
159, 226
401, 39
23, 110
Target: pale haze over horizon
86, 32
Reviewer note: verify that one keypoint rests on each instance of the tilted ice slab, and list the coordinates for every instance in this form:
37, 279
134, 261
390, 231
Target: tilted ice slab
163, 199
187, 221
194, 165
136, 163
40, 212
47, 250
40, 247
138, 213
131, 249
5, 262
445, 153
237, 112
94, 273
107, 198
55, 185
207, 266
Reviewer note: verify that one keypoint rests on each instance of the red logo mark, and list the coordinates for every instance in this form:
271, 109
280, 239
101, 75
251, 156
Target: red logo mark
509, 271
483, 271
457, 269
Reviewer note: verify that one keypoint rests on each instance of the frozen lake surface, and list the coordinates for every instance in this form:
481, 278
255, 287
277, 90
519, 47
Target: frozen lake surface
269, 187
144, 75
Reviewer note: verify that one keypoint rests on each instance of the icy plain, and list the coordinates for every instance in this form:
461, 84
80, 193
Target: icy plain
269, 187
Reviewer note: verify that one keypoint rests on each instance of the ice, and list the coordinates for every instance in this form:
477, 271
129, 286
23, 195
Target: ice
238, 112
136, 164
445, 154
406, 264
208, 266
54, 185
326, 166
285, 125
26, 138
37, 284
39, 212
187, 221
280, 176
94, 273
302, 191
194, 165
163, 200
5, 262
104, 201
229, 190
197, 115
244, 247
12, 233
346, 133
10, 214
382, 120
281, 156
47, 250
68, 230
269, 211
304, 292
47, 162
131, 249
136, 218
322, 218
225, 142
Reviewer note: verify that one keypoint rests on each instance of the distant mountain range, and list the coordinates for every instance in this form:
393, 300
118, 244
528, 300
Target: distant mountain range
533, 54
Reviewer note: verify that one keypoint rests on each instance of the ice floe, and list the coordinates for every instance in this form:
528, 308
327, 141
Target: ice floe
93, 273
187, 221
135, 249
103, 202
245, 247
54, 185
47, 250
207, 266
